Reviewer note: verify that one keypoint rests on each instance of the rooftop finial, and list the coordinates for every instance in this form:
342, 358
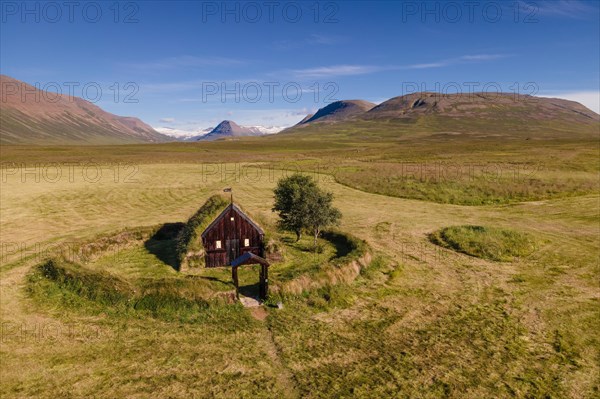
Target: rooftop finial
229, 190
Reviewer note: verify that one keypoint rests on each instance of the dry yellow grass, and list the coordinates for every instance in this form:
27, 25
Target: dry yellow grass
425, 322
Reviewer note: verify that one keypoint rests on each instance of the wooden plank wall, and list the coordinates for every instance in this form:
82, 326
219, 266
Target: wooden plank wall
224, 230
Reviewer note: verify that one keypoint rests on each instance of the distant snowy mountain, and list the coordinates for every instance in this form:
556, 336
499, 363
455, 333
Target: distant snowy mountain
267, 129
183, 135
224, 129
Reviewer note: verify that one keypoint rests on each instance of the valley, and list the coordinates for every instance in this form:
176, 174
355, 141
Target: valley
300, 200
484, 324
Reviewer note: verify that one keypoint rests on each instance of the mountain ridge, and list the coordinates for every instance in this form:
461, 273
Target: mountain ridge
33, 116
476, 106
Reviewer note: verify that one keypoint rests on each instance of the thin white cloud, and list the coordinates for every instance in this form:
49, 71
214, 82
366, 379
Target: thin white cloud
335, 70
427, 66
308, 73
484, 57
312, 40
459, 60
167, 120
350, 70
324, 39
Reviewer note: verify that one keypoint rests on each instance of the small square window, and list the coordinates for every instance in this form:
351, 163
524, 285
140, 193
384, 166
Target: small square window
232, 219
246, 242
218, 244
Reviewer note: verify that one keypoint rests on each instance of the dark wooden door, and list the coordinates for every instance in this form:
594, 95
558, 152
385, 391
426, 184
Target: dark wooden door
233, 250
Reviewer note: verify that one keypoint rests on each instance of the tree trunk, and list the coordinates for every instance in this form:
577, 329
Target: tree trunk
298, 234
316, 236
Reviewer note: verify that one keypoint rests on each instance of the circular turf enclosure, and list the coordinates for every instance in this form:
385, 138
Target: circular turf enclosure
492, 243
136, 270
160, 270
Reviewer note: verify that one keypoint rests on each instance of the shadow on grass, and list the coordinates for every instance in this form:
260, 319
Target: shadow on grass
251, 290
288, 240
211, 278
163, 244
339, 241
303, 245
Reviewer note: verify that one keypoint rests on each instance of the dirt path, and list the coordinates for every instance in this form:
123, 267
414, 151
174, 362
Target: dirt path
285, 378
259, 313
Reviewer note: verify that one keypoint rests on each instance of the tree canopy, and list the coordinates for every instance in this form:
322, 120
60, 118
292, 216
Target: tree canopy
303, 206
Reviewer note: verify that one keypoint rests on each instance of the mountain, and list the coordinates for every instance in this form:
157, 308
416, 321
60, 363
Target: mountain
491, 106
32, 116
232, 129
435, 112
200, 134
339, 111
228, 129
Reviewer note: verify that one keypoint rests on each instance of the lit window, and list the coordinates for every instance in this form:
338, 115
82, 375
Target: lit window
246, 242
232, 219
218, 244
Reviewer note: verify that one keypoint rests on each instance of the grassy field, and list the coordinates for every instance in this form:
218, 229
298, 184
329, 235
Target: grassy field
441, 161
422, 321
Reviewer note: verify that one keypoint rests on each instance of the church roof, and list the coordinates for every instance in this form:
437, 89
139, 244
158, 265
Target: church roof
237, 210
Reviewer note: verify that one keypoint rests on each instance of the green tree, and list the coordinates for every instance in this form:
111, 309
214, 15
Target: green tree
302, 205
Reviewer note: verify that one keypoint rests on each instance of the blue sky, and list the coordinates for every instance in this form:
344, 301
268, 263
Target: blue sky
189, 65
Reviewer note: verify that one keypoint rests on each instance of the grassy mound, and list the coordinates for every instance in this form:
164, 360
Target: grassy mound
72, 285
101, 287
189, 245
340, 261
349, 248
502, 245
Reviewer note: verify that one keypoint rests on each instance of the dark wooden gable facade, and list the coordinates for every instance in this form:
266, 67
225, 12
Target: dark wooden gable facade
231, 235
